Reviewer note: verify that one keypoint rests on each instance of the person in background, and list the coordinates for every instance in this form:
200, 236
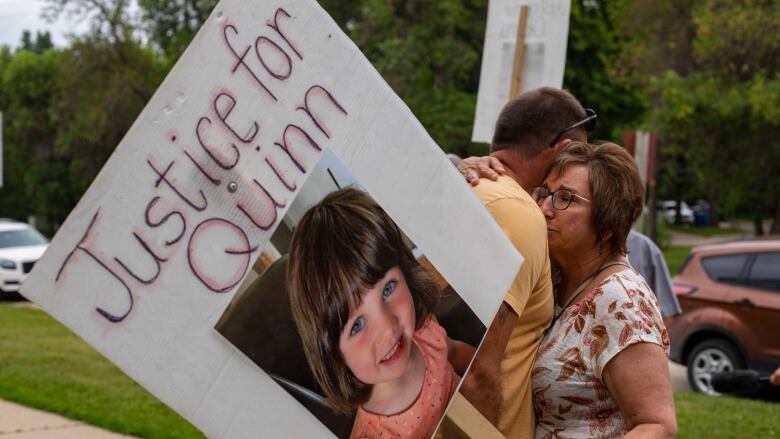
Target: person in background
648, 259
775, 378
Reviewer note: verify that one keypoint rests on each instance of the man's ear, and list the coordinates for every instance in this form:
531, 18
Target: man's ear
560, 145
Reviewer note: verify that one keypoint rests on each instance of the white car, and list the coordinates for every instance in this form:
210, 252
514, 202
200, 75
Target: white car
668, 208
20, 248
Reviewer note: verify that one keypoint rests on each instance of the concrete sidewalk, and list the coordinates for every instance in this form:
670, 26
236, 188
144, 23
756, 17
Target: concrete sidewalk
690, 239
19, 422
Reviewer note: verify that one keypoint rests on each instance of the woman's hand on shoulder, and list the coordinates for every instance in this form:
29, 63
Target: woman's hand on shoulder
474, 168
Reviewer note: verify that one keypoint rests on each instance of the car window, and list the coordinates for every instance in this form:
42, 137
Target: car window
20, 238
765, 274
724, 268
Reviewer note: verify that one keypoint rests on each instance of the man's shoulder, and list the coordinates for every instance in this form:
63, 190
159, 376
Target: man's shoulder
502, 189
509, 203
518, 216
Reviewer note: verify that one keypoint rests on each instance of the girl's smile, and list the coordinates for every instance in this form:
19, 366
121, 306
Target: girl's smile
395, 352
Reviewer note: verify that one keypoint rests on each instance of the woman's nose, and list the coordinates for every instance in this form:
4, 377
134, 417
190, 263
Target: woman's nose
547, 207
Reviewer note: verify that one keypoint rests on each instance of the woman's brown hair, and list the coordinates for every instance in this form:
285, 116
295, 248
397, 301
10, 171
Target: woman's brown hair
342, 247
617, 193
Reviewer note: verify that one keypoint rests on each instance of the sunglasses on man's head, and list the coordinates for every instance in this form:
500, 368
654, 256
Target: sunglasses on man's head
588, 124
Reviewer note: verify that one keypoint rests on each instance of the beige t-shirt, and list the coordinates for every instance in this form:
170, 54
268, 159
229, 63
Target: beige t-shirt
530, 297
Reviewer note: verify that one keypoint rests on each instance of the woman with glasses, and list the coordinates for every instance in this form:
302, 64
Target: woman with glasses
601, 369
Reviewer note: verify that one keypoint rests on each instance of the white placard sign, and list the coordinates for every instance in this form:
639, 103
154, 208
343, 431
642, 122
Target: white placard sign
150, 257
543, 64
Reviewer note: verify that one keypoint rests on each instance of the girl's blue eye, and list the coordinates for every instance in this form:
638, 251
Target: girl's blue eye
357, 326
388, 290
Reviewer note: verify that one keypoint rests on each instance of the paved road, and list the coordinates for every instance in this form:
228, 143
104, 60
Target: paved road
679, 377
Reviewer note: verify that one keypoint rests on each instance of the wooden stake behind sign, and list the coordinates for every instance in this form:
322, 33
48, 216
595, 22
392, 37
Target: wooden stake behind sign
517, 68
538, 36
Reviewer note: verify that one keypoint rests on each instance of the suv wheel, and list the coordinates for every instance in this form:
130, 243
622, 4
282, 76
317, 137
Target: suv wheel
708, 357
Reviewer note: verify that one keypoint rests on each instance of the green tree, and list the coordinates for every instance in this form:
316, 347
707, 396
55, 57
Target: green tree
67, 110
171, 24
28, 85
40, 43
10, 198
592, 73
100, 97
109, 20
429, 53
715, 96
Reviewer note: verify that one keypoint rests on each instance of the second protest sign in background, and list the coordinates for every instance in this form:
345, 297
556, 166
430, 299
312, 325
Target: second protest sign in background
544, 58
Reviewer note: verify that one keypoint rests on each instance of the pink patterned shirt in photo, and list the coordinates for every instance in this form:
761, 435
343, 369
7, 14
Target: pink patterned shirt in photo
419, 421
570, 397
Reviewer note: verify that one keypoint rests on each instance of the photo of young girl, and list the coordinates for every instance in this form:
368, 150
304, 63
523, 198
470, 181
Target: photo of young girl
348, 315
364, 307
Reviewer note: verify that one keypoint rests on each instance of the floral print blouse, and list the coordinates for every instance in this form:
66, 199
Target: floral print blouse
570, 398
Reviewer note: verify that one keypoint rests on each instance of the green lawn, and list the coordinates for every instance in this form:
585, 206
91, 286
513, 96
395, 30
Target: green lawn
44, 365
702, 416
675, 255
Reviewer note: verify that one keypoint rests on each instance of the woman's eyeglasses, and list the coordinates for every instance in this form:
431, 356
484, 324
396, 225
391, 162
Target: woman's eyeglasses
561, 199
588, 124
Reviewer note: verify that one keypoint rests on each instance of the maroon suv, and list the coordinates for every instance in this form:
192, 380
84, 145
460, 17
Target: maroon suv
730, 296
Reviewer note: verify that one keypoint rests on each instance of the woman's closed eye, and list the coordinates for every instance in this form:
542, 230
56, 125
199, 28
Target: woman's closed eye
388, 290
357, 326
